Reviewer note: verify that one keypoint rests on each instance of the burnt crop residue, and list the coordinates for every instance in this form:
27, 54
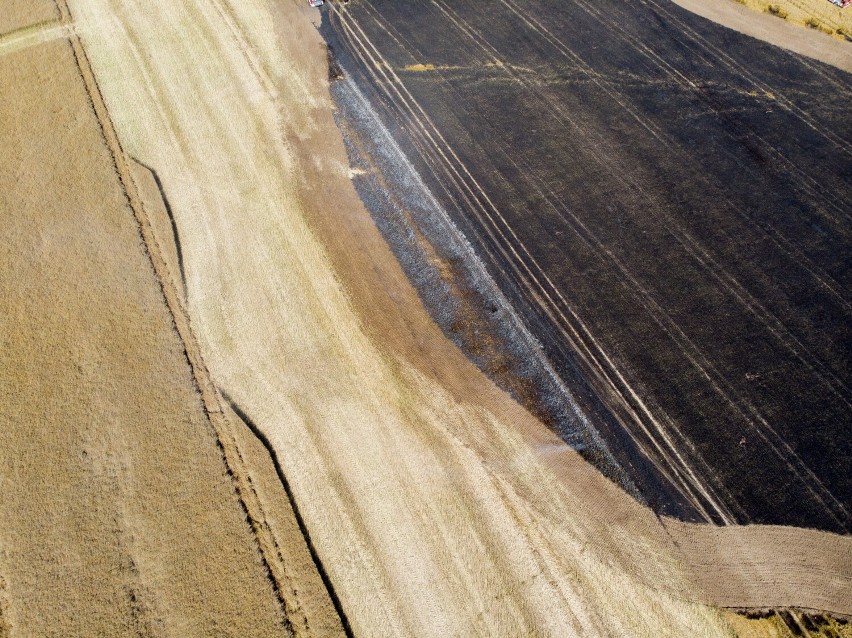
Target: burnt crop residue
665, 203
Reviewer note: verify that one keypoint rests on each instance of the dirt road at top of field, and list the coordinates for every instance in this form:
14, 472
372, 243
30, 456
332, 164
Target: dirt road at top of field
436, 504
774, 30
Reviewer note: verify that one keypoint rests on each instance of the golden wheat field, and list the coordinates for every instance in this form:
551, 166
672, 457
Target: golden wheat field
120, 515
224, 410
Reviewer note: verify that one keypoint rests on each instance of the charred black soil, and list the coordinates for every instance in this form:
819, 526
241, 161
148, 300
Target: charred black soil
665, 202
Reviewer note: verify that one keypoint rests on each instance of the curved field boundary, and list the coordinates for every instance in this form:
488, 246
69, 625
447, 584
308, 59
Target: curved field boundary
297, 574
300, 594
733, 566
654, 432
737, 566
98, 404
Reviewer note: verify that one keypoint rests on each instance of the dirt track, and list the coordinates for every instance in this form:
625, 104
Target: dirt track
435, 503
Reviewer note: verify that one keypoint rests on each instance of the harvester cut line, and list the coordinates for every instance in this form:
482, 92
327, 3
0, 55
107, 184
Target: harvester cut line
34, 35
213, 404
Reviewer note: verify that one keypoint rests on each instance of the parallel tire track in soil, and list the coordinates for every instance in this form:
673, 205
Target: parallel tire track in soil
374, 38
545, 294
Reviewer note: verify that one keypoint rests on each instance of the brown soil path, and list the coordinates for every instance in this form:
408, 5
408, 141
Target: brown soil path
764, 26
436, 504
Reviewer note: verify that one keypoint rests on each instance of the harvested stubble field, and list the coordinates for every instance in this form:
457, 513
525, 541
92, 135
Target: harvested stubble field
435, 504
819, 15
119, 514
20, 14
786, 624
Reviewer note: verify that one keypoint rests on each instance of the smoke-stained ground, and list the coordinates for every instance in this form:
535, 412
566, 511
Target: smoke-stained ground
666, 203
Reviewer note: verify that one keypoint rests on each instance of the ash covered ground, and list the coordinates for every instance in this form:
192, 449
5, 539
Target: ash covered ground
663, 202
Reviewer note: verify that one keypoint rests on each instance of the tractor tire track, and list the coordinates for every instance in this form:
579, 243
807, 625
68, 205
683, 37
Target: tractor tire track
654, 429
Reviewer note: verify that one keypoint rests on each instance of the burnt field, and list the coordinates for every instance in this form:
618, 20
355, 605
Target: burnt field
666, 203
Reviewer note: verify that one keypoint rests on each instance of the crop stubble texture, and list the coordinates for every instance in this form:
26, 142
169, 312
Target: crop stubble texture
435, 503
18, 14
119, 517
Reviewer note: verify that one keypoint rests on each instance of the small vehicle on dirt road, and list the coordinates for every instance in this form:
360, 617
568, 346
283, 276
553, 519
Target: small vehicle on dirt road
315, 3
